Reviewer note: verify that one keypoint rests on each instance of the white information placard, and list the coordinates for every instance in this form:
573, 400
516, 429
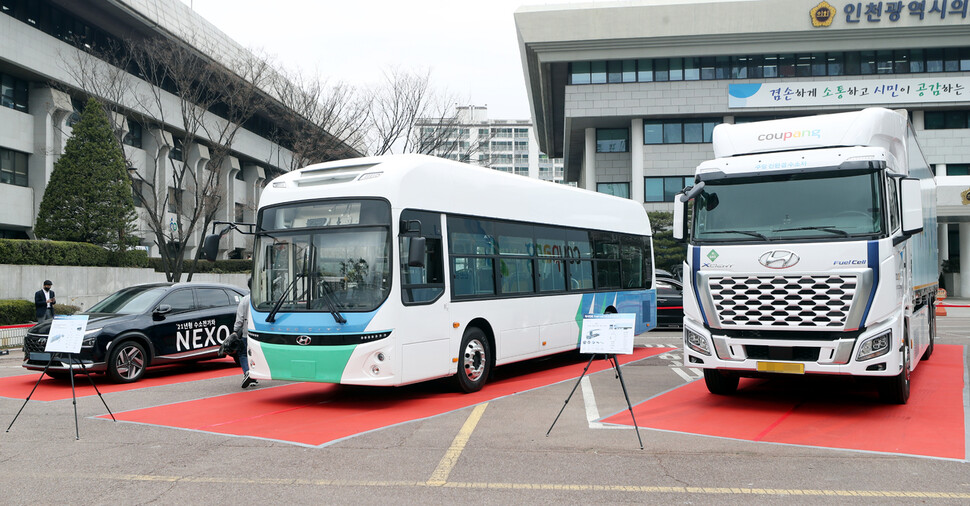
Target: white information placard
66, 334
608, 333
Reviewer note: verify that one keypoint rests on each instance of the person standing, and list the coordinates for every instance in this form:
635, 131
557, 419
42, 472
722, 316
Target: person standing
44, 302
241, 329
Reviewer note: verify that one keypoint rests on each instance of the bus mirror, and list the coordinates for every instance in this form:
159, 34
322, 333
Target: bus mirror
416, 250
912, 205
680, 208
210, 247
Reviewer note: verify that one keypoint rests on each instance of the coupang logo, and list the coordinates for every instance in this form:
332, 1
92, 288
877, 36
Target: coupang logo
796, 134
822, 15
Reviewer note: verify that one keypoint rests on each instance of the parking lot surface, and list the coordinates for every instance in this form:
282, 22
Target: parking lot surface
490, 449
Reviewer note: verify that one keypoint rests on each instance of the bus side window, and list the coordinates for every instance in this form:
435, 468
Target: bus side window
422, 285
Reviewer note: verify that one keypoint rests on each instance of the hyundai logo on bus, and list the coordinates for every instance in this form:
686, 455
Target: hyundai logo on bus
778, 259
303, 340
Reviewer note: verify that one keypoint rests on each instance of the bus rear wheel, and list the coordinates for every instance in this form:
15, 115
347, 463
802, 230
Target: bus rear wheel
474, 360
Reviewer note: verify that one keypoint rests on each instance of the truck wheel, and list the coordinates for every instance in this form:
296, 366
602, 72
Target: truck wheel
474, 360
721, 382
126, 363
895, 390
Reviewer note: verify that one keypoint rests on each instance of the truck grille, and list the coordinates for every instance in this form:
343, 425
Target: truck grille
783, 301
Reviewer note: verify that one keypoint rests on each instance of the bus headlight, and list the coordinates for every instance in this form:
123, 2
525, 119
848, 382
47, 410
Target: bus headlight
696, 342
875, 346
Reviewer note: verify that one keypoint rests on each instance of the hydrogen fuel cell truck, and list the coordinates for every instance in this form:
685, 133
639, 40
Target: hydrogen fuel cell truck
811, 250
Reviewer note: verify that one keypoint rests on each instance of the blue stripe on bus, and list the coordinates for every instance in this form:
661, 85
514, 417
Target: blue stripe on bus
315, 322
873, 260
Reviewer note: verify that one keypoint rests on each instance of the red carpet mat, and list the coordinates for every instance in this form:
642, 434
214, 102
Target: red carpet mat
49, 389
318, 413
825, 412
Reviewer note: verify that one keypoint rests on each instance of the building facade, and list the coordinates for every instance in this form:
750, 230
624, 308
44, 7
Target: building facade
506, 145
628, 93
45, 45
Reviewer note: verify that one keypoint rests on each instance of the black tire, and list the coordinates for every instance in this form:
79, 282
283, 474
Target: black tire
721, 382
58, 375
895, 390
127, 362
932, 322
474, 360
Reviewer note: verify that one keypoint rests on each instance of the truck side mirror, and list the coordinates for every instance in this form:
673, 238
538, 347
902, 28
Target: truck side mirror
680, 211
416, 250
210, 247
911, 202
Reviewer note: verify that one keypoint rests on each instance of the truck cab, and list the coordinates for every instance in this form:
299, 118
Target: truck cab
811, 250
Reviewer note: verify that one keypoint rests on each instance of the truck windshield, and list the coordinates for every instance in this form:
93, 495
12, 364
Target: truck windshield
323, 256
828, 205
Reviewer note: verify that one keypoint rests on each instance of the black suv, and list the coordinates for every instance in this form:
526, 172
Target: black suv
143, 326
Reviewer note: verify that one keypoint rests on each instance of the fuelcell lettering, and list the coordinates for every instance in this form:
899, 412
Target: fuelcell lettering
784, 136
849, 262
203, 337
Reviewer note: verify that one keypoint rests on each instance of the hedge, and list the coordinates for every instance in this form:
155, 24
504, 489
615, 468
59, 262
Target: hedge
28, 252
18, 311
207, 267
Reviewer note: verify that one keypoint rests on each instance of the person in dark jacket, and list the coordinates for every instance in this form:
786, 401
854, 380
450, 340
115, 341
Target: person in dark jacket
44, 302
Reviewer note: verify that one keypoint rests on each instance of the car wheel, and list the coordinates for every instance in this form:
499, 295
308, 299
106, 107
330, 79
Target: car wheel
474, 360
127, 362
721, 382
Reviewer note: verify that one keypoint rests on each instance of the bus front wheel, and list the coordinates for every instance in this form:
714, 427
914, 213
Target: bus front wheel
474, 361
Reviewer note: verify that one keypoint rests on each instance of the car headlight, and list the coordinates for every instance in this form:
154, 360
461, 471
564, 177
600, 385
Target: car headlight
696, 342
90, 336
875, 346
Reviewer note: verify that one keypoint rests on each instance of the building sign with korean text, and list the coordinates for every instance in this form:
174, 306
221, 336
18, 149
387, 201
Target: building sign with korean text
870, 13
883, 91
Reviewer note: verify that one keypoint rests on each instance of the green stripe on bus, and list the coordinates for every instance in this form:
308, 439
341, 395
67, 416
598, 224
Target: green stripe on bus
307, 363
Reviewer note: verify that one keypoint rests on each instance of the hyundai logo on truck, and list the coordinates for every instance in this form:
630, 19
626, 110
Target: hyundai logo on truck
778, 259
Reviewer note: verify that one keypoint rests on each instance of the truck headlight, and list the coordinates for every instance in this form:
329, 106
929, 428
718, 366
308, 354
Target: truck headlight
875, 346
696, 342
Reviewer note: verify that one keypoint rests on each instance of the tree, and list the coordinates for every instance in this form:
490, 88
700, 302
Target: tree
402, 101
668, 253
89, 196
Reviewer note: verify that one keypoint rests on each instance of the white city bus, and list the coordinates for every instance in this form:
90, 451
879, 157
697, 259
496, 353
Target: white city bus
395, 270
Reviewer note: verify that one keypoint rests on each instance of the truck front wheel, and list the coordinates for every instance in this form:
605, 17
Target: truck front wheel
895, 390
721, 382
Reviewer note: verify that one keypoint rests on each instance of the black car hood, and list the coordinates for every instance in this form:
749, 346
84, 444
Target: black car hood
95, 320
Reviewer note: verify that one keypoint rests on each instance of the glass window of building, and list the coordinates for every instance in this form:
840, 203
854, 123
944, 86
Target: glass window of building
597, 72
13, 167
770, 65
692, 69
673, 133
661, 70
612, 140
917, 62
665, 188
934, 60
676, 69
653, 132
644, 70
615, 189
786, 65
867, 62
958, 169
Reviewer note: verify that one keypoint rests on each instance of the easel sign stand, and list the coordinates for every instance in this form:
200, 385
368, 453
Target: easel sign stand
607, 335
65, 338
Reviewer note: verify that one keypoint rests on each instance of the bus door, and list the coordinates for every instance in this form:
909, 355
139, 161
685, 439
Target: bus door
426, 347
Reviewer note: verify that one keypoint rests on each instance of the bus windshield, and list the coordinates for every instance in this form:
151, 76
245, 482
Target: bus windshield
323, 256
821, 205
